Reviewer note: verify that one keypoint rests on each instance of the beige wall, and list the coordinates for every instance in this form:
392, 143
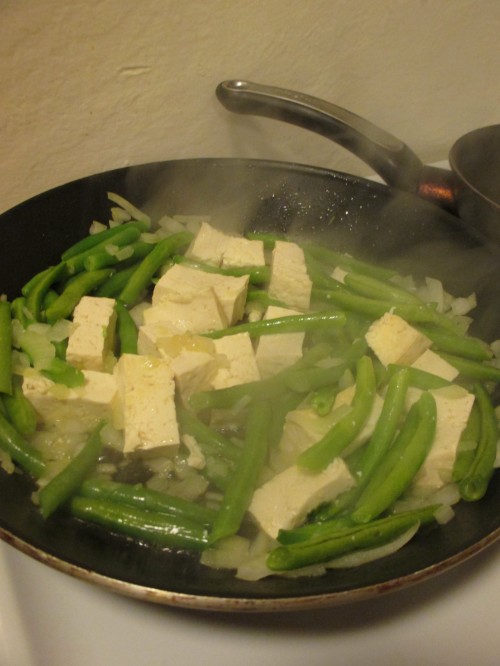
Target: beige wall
88, 85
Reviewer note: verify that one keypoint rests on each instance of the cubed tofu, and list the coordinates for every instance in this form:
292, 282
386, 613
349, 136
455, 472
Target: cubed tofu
431, 362
286, 499
290, 282
231, 292
197, 312
92, 336
304, 427
239, 364
193, 371
146, 398
84, 405
393, 340
208, 245
453, 405
278, 351
240, 251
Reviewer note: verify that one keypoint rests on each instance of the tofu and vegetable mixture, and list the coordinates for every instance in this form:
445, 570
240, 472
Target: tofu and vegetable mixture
275, 406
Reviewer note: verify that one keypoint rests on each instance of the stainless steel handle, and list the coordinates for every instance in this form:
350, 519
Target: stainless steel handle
385, 154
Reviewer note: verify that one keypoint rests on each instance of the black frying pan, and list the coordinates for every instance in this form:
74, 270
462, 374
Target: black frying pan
376, 222
471, 189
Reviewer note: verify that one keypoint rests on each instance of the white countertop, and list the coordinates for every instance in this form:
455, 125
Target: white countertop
50, 619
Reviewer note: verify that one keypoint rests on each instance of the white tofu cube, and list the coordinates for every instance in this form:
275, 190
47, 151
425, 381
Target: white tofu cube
285, 500
208, 245
290, 282
146, 392
240, 365
92, 335
81, 407
239, 252
197, 312
453, 405
278, 351
231, 292
431, 362
393, 340
193, 371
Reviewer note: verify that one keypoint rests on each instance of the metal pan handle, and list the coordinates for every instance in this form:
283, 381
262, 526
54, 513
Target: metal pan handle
389, 157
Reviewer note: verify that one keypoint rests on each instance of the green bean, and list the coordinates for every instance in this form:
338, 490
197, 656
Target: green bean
289, 324
102, 257
474, 484
346, 262
320, 455
82, 285
226, 398
269, 239
113, 287
90, 241
368, 286
62, 486
459, 345
418, 378
326, 547
20, 312
256, 274
242, 483
467, 445
323, 398
412, 313
142, 276
21, 451
210, 441
19, 409
473, 369
151, 526
342, 525
125, 236
49, 298
32, 282
37, 291
62, 372
396, 472
145, 498
5, 348
262, 297
127, 330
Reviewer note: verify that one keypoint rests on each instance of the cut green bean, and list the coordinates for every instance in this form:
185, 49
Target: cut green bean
210, 441
244, 479
458, 345
145, 271
145, 498
123, 237
396, 472
333, 259
21, 451
61, 487
19, 409
473, 369
126, 329
90, 241
474, 484
83, 284
62, 372
151, 526
326, 547
257, 274
5, 348
38, 290
262, 297
421, 379
318, 456
113, 287
132, 253
323, 398
288, 324
467, 445
368, 286
20, 312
